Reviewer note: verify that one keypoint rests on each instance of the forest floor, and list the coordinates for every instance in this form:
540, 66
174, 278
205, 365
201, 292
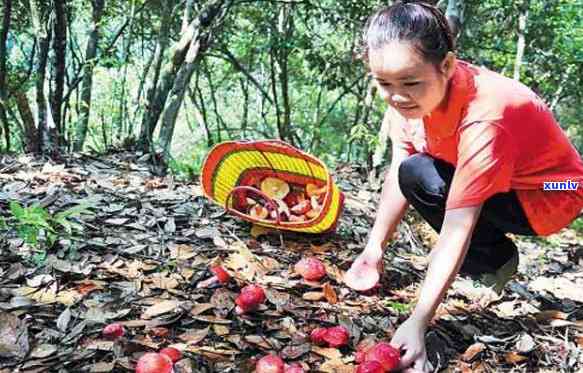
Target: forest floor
136, 246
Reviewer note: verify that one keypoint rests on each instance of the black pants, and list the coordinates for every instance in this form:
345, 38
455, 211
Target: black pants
425, 182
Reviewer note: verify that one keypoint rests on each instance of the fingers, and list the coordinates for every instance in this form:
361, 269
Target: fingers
407, 359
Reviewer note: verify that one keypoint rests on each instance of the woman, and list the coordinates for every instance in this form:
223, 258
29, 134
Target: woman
474, 153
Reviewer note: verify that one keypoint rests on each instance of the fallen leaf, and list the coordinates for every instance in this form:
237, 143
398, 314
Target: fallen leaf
328, 353
49, 295
258, 340
313, 296
336, 366
43, 350
258, 231
197, 309
525, 344
194, 336
330, 293
514, 357
295, 351
103, 367
221, 330
182, 252
244, 263
160, 308
544, 316
473, 351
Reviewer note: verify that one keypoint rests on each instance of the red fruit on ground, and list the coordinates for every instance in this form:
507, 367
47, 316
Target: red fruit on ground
337, 336
269, 364
113, 331
385, 354
370, 367
172, 353
294, 368
222, 275
311, 269
154, 363
250, 298
317, 336
359, 357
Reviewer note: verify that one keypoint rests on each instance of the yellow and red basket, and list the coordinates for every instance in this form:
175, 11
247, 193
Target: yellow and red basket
234, 168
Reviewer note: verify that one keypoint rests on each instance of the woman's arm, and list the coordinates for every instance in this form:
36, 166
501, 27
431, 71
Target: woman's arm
392, 205
446, 259
364, 272
444, 263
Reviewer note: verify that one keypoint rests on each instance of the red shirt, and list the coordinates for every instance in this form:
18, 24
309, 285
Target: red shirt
500, 136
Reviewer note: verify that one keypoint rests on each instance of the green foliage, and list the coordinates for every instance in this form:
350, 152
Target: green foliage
40, 229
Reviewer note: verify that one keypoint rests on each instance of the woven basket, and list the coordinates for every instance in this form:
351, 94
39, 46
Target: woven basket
232, 170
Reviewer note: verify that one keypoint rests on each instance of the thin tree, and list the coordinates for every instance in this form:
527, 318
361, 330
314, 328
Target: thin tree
3, 96
87, 83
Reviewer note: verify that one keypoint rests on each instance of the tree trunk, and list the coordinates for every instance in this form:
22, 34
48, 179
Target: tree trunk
60, 48
454, 15
174, 75
285, 31
521, 44
87, 83
177, 96
146, 132
44, 131
3, 73
31, 144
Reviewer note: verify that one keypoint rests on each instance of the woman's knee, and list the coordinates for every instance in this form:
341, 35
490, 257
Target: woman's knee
418, 172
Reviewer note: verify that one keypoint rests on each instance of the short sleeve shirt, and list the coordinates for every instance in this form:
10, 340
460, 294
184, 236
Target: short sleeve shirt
500, 136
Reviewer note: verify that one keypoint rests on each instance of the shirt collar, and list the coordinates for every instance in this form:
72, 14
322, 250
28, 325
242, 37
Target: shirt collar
444, 120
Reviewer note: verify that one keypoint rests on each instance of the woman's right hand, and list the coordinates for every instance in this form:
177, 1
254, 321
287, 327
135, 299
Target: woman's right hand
364, 273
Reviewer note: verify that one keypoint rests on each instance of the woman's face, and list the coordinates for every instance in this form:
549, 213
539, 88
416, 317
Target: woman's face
406, 81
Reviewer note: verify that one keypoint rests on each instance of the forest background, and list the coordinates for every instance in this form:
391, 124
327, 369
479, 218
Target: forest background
175, 77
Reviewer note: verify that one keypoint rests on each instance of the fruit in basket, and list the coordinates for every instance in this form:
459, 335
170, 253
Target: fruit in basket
314, 190
297, 218
258, 211
294, 197
275, 188
301, 208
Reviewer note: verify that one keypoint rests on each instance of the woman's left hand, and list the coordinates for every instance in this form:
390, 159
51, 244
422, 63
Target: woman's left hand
410, 339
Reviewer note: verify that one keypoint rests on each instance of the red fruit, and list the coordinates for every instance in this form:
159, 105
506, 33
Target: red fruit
250, 298
385, 354
336, 336
154, 363
222, 275
113, 331
269, 364
172, 353
317, 336
311, 269
293, 368
359, 357
370, 367
301, 208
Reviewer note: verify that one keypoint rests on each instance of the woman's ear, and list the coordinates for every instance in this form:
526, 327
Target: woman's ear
447, 66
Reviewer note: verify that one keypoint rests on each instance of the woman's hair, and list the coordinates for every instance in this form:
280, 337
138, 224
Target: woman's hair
420, 23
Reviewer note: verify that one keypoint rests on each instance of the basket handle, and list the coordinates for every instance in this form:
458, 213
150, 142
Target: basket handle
268, 199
